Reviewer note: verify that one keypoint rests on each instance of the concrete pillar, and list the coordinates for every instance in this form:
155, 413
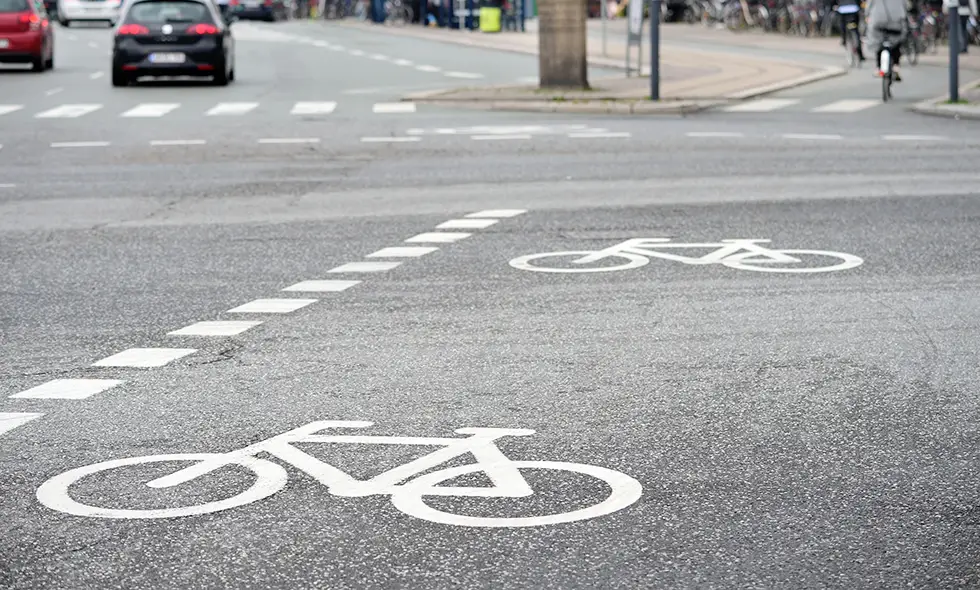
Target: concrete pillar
562, 58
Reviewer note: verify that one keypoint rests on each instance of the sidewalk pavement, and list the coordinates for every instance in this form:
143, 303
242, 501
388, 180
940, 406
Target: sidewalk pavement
968, 106
690, 80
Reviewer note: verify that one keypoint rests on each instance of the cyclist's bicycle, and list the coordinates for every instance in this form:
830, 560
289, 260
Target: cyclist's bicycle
887, 69
853, 45
397, 12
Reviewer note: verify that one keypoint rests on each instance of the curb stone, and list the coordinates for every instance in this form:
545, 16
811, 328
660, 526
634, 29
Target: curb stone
932, 108
591, 107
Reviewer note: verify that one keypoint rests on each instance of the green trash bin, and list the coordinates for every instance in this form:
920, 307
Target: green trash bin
489, 19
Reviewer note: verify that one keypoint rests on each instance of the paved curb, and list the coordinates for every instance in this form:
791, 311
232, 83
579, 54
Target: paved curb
932, 108
824, 74
680, 107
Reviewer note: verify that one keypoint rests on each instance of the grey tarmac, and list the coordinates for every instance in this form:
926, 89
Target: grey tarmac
786, 430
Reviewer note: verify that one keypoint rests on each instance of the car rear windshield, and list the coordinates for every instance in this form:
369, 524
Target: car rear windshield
14, 6
166, 11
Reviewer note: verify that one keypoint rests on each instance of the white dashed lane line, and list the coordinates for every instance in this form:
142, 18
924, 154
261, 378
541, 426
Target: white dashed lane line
393, 107
96, 75
500, 136
215, 329
79, 144
144, 357
289, 140
808, 136
79, 389
390, 139
272, 306
11, 420
68, 389
913, 138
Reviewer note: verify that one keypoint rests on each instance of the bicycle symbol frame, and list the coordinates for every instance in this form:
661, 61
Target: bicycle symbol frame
737, 253
406, 496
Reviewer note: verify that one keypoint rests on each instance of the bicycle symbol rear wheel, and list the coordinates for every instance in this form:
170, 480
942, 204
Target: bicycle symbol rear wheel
409, 498
270, 478
744, 262
524, 262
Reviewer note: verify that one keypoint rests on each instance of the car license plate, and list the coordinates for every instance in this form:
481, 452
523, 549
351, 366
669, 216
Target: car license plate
4, 44
167, 58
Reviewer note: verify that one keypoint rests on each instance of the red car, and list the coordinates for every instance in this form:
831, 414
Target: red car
26, 35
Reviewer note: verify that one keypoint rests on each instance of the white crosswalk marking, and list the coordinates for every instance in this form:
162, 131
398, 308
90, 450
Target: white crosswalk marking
762, 105
313, 108
847, 106
9, 108
394, 107
151, 109
68, 111
231, 108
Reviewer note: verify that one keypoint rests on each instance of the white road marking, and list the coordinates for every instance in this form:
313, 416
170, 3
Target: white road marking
313, 108
464, 75
6, 184
79, 144
913, 138
402, 252
231, 108
72, 38
337, 48
714, 134
290, 140
68, 389
144, 357
427, 68
53, 91
402, 62
390, 139
365, 267
496, 213
356, 52
11, 420
9, 108
151, 109
68, 111
438, 237
762, 105
394, 107
379, 57
163, 142
600, 134
500, 136
322, 286
320, 43
272, 306
466, 224
847, 106
93, 45
214, 329
810, 136
96, 75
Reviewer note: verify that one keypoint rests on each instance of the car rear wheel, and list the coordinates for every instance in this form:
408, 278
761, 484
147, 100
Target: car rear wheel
221, 76
50, 63
38, 63
65, 22
119, 78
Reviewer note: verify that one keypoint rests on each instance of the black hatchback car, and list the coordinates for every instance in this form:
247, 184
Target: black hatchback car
172, 38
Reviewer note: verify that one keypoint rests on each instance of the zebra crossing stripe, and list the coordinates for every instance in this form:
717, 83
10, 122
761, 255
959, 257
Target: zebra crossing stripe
313, 108
9, 108
231, 108
68, 111
762, 105
847, 106
151, 109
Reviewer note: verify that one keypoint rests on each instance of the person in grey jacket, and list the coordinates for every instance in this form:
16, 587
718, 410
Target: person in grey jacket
887, 19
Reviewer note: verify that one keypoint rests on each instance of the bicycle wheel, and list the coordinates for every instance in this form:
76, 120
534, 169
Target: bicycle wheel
524, 262
409, 498
270, 478
912, 51
744, 262
852, 56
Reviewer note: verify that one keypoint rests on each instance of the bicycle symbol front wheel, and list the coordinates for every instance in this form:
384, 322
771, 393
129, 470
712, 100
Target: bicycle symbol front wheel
745, 262
54, 493
409, 498
524, 262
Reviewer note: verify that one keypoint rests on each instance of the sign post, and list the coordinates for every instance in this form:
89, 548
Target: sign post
953, 12
655, 49
634, 35
604, 13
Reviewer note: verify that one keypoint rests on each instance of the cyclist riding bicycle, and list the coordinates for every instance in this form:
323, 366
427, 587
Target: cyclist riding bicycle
850, 13
887, 20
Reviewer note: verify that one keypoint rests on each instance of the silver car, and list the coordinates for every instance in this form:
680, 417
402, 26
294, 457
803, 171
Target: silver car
106, 11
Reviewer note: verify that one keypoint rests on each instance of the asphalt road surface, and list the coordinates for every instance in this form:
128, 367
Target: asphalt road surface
709, 416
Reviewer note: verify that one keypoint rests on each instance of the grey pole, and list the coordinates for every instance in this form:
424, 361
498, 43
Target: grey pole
655, 49
954, 50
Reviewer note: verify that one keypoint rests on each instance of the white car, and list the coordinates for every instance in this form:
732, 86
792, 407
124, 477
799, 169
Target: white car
106, 11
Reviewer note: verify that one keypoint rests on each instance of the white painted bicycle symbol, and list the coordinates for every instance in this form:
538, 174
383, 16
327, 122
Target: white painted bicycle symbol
741, 254
406, 496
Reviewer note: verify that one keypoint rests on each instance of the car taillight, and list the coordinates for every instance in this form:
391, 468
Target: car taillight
268, 2
30, 21
133, 30
202, 29
232, 2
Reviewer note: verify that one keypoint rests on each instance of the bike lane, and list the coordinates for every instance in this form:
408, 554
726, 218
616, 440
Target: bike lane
775, 422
